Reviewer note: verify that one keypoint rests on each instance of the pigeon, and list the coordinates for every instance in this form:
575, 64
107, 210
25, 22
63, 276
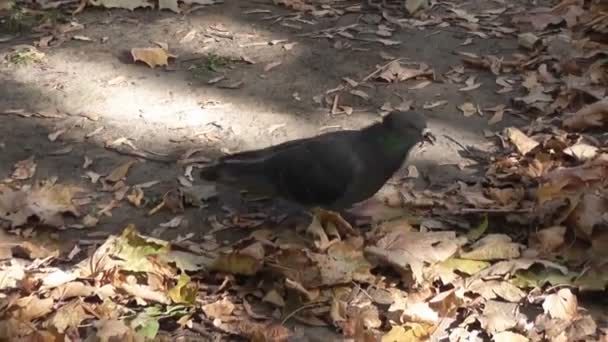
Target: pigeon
329, 172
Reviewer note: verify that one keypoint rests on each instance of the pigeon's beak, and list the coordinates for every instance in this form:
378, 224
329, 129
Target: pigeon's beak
427, 136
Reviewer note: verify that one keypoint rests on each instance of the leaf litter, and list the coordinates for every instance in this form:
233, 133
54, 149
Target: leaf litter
548, 177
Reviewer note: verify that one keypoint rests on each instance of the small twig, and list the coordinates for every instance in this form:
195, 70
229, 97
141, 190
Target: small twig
195, 160
334, 106
141, 154
494, 210
379, 69
303, 307
199, 328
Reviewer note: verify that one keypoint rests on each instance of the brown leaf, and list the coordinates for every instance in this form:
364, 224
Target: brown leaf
394, 72
582, 152
585, 216
420, 85
468, 109
360, 93
111, 330
402, 248
24, 169
589, 116
562, 305
47, 203
53, 136
498, 316
219, 309
67, 316
120, 172
551, 238
136, 197
521, 141
153, 57
272, 65
573, 179
32, 307
493, 247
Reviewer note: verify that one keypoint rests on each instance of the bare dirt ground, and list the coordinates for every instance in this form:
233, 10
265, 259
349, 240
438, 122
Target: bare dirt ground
170, 111
276, 85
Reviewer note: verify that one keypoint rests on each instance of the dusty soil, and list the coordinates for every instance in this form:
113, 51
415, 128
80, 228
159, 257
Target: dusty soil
168, 111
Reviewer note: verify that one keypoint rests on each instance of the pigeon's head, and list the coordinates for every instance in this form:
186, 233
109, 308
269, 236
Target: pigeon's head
409, 124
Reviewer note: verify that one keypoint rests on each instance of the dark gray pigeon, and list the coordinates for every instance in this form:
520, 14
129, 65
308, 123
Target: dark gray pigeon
333, 170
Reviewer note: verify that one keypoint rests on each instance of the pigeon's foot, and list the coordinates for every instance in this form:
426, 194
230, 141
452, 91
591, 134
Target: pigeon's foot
329, 218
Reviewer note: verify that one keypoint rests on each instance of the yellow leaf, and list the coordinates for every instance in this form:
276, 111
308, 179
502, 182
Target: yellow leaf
151, 56
184, 291
120, 172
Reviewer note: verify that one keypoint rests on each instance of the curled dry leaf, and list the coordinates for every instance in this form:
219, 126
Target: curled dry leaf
420, 85
31, 307
110, 330
431, 105
219, 309
120, 172
551, 238
559, 182
499, 316
53, 136
153, 57
508, 336
521, 141
67, 316
272, 65
136, 196
468, 109
273, 297
585, 217
24, 169
401, 248
562, 305
593, 115
47, 203
493, 247
360, 93
394, 72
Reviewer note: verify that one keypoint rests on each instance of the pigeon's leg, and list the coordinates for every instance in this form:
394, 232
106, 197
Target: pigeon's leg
328, 216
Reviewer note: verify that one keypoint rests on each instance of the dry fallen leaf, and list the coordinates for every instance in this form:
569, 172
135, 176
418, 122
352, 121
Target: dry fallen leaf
420, 85
401, 248
468, 109
551, 238
53, 136
120, 172
360, 93
493, 247
582, 152
219, 309
593, 115
394, 72
521, 141
24, 169
272, 65
153, 57
431, 105
47, 203
562, 305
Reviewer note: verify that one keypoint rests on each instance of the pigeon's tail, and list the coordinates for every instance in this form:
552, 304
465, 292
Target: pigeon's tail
224, 172
244, 174
211, 173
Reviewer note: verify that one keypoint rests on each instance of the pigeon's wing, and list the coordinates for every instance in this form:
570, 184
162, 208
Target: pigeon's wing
249, 169
317, 172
